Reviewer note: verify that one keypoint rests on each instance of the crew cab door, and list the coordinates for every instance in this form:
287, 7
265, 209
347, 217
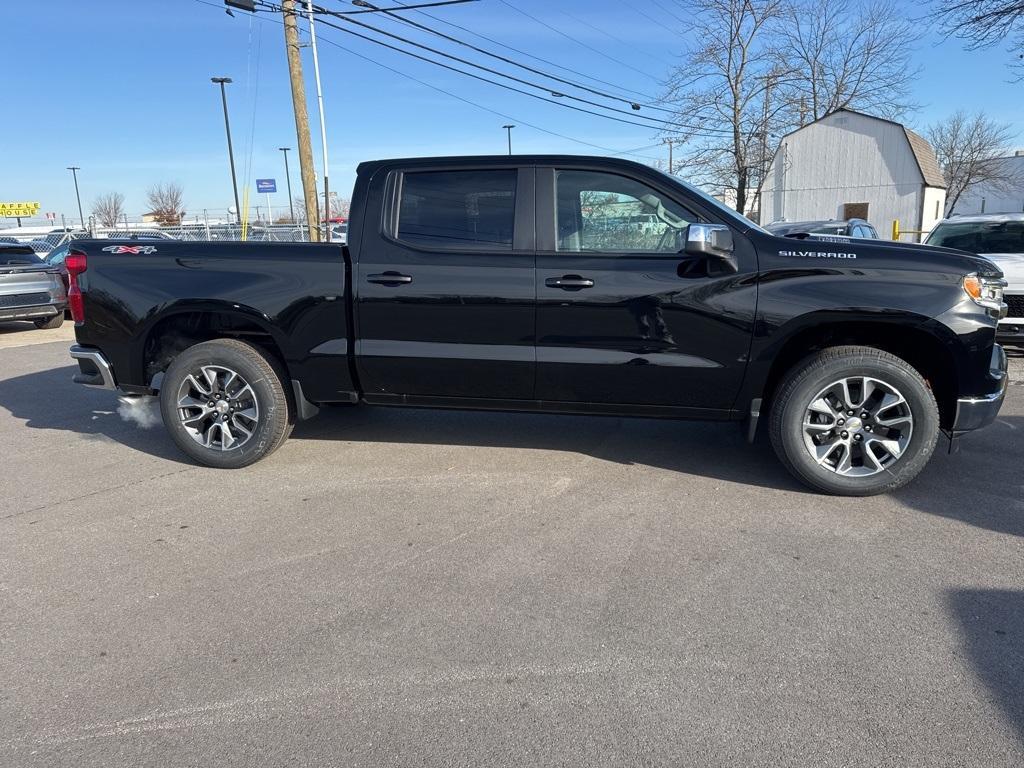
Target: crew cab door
624, 315
445, 296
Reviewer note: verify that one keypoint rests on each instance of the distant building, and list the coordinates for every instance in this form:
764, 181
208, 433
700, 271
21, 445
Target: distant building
851, 165
997, 198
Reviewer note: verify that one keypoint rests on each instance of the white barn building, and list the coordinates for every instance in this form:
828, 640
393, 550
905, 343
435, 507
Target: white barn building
851, 165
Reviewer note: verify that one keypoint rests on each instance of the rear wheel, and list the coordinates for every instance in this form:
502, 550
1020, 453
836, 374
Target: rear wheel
854, 421
49, 323
224, 404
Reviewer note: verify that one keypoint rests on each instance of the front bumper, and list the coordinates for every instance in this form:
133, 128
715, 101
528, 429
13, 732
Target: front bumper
977, 412
93, 368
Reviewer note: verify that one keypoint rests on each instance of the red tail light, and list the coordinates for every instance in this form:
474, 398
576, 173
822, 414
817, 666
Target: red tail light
75, 264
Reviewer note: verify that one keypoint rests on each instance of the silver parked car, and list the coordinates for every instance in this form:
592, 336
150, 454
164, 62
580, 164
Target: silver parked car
30, 289
999, 237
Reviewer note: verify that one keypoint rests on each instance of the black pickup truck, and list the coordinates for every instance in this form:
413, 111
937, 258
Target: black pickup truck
557, 284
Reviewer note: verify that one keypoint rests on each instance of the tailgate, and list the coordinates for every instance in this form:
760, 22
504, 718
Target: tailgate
25, 285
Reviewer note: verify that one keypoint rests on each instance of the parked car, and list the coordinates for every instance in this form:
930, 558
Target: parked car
841, 228
55, 259
474, 282
1000, 239
29, 288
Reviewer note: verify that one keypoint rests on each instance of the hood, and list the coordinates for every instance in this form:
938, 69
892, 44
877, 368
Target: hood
900, 255
1012, 265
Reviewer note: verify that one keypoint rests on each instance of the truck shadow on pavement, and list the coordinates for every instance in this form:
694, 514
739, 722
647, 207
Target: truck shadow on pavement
50, 400
991, 623
981, 485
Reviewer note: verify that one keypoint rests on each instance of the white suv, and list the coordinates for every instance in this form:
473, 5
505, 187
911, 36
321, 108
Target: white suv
999, 237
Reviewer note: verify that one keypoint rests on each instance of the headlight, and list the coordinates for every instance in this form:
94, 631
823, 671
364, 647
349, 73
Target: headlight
986, 292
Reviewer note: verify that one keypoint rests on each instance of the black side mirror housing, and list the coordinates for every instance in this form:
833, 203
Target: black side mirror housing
711, 241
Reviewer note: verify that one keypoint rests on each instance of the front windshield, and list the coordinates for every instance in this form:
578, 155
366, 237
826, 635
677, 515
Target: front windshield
980, 236
737, 218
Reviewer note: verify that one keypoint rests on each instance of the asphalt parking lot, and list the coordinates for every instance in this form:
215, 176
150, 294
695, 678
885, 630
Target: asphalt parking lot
446, 588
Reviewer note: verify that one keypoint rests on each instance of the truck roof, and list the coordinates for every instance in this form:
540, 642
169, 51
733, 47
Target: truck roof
370, 165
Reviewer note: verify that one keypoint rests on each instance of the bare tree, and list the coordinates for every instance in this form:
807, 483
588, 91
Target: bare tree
723, 87
983, 23
340, 207
764, 67
970, 150
166, 202
108, 209
852, 55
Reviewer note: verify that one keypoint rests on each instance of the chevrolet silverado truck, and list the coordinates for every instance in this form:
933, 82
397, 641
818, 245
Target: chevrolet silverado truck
522, 283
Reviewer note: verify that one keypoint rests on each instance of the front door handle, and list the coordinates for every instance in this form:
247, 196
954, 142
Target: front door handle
389, 278
569, 282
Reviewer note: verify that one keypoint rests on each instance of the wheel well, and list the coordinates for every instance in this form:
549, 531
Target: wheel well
174, 334
918, 348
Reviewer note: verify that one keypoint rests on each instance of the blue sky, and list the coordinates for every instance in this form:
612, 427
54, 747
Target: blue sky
121, 88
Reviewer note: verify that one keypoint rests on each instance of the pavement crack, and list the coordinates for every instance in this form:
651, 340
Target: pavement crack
97, 492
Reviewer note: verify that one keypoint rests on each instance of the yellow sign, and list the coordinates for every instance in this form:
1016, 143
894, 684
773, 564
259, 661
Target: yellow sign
23, 210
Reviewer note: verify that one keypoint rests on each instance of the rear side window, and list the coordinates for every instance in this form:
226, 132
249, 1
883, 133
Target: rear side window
458, 208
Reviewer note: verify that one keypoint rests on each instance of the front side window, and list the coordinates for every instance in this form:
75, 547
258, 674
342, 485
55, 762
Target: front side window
605, 212
458, 208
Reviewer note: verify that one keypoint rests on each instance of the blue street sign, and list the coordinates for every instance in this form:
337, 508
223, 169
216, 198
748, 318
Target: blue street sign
266, 185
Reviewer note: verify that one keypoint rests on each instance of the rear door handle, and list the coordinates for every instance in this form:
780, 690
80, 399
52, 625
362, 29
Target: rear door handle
569, 282
389, 278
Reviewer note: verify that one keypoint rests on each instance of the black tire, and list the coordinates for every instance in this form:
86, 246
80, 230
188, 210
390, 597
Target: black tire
49, 323
807, 380
266, 380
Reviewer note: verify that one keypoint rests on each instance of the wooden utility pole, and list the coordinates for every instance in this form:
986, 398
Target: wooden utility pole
291, 40
670, 142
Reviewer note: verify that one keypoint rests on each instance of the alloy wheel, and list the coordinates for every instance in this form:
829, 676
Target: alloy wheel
857, 426
218, 408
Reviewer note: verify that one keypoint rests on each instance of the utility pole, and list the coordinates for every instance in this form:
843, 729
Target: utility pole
291, 40
74, 172
323, 125
227, 128
508, 129
670, 143
288, 181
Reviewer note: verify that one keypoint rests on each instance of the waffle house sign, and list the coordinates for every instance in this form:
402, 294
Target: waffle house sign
18, 210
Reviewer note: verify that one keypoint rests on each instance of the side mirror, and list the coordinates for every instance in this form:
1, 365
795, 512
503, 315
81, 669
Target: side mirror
711, 240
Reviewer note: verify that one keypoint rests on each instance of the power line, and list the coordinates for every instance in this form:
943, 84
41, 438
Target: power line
666, 10
610, 36
508, 47
335, 44
660, 124
573, 39
631, 102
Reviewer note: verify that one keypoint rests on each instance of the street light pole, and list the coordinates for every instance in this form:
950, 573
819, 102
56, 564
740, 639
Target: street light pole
508, 129
288, 181
323, 126
74, 172
227, 129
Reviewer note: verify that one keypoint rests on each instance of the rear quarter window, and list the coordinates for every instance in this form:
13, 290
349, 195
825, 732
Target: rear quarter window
461, 209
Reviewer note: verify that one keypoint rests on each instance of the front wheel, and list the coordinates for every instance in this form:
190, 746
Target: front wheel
854, 421
224, 404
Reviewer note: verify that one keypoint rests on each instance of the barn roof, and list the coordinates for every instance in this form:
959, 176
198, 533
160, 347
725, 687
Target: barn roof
927, 162
926, 159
